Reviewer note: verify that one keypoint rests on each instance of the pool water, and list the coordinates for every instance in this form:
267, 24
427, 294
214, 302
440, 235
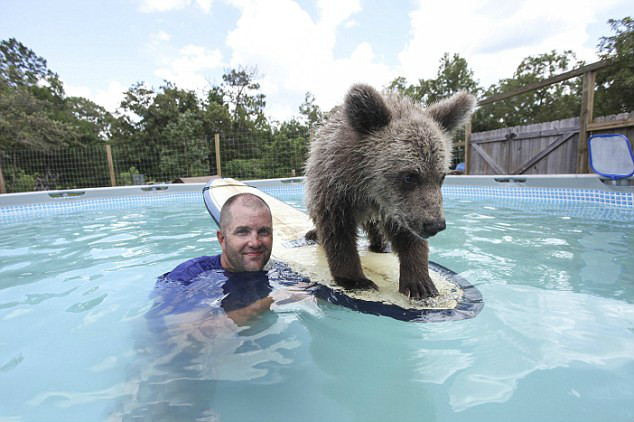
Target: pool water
554, 341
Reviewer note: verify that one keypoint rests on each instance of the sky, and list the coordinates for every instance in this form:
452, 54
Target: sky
101, 48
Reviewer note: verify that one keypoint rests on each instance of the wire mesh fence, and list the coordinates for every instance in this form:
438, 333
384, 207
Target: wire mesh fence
241, 155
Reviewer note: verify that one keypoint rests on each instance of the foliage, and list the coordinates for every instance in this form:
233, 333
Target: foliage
453, 75
34, 111
311, 111
554, 102
240, 91
126, 177
23, 182
253, 168
615, 85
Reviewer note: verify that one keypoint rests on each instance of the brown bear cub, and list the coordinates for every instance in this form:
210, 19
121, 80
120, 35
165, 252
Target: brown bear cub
379, 162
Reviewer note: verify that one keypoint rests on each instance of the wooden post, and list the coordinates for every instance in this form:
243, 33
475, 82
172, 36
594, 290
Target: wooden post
113, 179
585, 119
467, 148
2, 187
218, 163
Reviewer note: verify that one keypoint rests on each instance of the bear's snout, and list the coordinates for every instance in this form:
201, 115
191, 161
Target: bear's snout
431, 229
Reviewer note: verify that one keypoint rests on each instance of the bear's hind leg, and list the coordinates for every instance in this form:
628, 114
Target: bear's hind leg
340, 245
311, 236
375, 236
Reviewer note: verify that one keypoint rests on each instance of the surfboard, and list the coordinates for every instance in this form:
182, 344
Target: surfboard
457, 298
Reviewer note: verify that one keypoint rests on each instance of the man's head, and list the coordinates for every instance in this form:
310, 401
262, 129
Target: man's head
246, 233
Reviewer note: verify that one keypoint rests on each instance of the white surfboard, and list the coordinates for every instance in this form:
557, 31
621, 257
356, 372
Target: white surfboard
457, 298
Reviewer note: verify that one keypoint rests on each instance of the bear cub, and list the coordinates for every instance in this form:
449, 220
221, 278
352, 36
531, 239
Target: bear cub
378, 163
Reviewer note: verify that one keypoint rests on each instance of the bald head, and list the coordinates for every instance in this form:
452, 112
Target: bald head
247, 200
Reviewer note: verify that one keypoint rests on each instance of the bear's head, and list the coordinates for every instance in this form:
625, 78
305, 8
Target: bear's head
406, 151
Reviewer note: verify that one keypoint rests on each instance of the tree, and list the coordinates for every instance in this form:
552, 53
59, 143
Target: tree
92, 122
161, 132
310, 111
554, 102
34, 111
241, 93
615, 85
21, 67
453, 75
31, 101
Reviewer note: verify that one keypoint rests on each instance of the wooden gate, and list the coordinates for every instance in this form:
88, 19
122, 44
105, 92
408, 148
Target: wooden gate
543, 148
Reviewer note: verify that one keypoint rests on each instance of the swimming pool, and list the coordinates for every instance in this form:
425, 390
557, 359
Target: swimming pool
555, 340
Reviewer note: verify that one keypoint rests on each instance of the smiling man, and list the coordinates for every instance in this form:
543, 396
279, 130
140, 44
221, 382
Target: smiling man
245, 236
246, 233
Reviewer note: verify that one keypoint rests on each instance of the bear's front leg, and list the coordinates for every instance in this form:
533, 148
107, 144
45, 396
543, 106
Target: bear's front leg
413, 254
340, 244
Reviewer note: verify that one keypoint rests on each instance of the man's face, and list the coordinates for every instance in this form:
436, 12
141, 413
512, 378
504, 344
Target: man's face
247, 241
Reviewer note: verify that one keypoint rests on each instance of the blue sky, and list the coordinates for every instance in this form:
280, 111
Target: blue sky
100, 48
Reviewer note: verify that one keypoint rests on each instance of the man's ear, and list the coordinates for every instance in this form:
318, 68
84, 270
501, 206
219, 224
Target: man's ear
221, 239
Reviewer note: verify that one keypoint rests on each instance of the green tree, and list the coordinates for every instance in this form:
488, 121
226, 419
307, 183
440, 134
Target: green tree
161, 133
311, 111
615, 85
241, 91
250, 130
32, 109
554, 102
92, 122
453, 75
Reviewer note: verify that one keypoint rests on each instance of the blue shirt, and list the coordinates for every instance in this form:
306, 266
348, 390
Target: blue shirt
196, 282
189, 270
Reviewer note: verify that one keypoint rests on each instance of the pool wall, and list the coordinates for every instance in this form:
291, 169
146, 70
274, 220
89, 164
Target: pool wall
573, 190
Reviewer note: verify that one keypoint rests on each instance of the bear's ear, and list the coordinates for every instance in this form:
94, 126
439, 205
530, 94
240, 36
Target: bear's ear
454, 111
365, 109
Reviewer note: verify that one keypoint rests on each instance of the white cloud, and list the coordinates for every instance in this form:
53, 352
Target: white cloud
77, 91
204, 5
495, 35
294, 53
160, 37
149, 6
188, 70
109, 98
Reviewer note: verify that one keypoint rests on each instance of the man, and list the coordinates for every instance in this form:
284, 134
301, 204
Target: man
197, 307
245, 236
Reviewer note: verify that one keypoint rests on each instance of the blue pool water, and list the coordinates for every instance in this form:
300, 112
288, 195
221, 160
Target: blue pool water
555, 340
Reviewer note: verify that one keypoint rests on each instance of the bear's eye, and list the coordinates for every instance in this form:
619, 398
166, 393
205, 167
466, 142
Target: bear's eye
409, 180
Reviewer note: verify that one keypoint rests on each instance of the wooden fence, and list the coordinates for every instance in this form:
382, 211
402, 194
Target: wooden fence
548, 148
543, 148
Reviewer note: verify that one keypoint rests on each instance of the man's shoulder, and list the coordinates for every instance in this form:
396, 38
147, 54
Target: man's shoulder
189, 269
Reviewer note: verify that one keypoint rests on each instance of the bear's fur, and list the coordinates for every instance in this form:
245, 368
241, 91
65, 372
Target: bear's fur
379, 162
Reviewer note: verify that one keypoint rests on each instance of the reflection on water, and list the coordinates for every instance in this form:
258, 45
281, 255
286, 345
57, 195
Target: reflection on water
219, 327
540, 330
